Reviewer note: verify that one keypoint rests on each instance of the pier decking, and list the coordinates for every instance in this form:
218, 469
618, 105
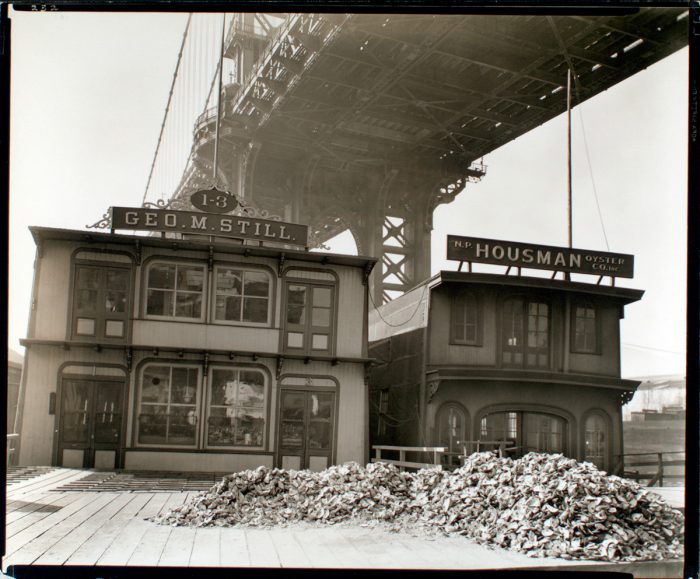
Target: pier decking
47, 524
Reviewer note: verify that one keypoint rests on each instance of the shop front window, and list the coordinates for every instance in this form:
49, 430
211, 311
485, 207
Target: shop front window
169, 406
522, 432
175, 291
242, 296
236, 408
101, 302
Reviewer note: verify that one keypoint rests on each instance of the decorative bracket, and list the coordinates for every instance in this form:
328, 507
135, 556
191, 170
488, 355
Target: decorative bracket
206, 363
137, 249
280, 365
626, 396
129, 354
368, 270
210, 261
280, 265
433, 387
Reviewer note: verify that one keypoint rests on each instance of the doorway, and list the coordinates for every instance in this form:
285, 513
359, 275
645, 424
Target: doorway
90, 423
306, 429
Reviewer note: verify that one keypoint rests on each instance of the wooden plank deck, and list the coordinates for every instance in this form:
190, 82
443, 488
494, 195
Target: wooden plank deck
88, 527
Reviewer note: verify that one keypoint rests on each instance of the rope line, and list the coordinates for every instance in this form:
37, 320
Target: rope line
425, 287
167, 106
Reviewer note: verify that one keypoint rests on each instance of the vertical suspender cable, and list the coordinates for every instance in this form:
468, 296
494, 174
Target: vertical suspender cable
218, 100
568, 116
167, 106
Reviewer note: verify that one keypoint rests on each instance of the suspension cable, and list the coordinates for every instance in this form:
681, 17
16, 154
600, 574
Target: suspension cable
167, 106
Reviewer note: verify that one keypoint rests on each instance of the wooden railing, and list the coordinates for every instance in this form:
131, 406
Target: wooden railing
660, 460
472, 446
402, 463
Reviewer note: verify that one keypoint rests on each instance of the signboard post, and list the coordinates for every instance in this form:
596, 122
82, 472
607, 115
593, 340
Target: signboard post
528, 255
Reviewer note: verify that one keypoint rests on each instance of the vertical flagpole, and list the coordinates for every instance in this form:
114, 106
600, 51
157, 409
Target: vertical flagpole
568, 114
218, 103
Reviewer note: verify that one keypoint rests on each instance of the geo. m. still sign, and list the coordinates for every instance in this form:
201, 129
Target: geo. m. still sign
528, 255
235, 226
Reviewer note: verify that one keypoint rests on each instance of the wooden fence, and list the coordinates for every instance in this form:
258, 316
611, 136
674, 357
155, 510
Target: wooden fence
436, 451
653, 465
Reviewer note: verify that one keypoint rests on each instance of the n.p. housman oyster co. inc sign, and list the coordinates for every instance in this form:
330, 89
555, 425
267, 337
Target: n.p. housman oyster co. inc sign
527, 255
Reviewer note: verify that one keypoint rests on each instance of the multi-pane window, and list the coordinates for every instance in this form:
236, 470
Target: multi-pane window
101, 302
175, 290
585, 329
465, 319
236, 408
242, 295
169, 405
525, 333
596, 441
309, 319
524, 432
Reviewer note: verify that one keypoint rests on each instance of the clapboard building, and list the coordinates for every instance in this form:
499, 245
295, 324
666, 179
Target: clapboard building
482, 361
198, 353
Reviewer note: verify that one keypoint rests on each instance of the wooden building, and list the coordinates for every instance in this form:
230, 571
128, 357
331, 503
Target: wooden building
474, 359
193, 354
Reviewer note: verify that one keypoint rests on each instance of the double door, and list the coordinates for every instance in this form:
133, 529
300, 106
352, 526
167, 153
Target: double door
90, 423
306, 429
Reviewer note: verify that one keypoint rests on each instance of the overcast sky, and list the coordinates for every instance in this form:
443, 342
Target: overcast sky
88, 96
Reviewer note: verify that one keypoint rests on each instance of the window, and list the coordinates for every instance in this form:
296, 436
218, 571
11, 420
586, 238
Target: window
242, 296
236, 408
524, 432
309, 320
100, 302
596, 441
465, 320
585, 330
169, 405
525, 341
175, 290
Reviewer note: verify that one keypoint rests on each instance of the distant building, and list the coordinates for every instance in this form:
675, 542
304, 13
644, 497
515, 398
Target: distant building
657, 398
485, 358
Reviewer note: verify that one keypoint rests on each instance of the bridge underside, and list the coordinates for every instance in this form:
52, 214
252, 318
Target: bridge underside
369, 122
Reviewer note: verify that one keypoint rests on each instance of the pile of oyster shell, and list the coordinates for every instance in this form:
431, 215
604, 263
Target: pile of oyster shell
544, 505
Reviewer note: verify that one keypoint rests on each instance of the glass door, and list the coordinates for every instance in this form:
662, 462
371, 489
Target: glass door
90, 424
306, 429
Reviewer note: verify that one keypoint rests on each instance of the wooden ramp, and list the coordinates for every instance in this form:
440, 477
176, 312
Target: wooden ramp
45, 526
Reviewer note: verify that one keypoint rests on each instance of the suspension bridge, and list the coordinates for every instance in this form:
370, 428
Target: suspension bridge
367, 122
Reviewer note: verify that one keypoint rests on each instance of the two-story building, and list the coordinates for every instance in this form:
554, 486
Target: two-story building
193, 354
467, 360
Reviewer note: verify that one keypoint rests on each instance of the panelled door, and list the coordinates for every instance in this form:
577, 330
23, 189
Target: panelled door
306, 429
90, 423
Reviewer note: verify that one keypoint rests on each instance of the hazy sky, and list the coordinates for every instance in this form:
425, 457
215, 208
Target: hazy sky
88, 97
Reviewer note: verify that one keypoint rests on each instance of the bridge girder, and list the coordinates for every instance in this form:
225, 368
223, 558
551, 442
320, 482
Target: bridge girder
369, 122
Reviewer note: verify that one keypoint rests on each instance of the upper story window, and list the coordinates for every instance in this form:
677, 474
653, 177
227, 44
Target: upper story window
175, 290
525, 335
465, 319
309, 317
585, 329
101, 300
242, 295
